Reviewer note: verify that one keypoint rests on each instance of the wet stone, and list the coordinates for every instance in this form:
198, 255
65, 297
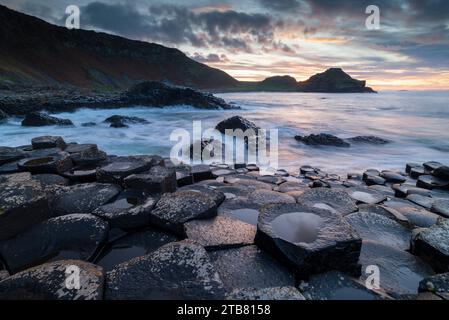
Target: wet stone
418, 216
425, 202
335, 285
432, 165
441, 172
10, 167
47, 282
441, 206
252, 183
366, 195
220, 232
232, 192
266, 294
82, 174
84, 198
432, 245
335, 201
76, 236
201, 172
175, 209
137, 244
222, 172
437, 284
416, 172
431, 182
271, 179
370, 172
8, 154
48, 142
250, 267
23, 203
240, 209
383, 189
292, 186
392, 177
310, 239
86, 154
51, 180
410, 165
385, 211
176, 271
117, 171
375, 180
156, 180
217, 196
3, 274
51, 164
262, 197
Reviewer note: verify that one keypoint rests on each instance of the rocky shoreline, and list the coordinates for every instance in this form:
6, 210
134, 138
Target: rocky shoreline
139, 227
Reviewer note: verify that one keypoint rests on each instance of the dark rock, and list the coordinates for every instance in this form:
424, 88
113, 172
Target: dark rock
176, 271
383, 189
36, 119
385, 211
86, 154
409, 166
82, 174
368, 140
366, 195
322, 139
77, 236
236, 122
240, 209
3, 116
201, 172
374, 180
8, 154
292, 187
45, 142
117, 171
220, 232
51, 164
278, 84
306, 169
222, 172
10, 167
118, 125
262, 197
88, 124
133, 245
425, 202
157, 180
83, 198
175, 209
431, 182
335, 201
416, 172
441, 172
184, 176
418, 216
369, 173
48, 282
217, 196
437, 284
432, 165
432, 245
118, 121
392, 177
266, 294
335, 285
309, 239
441, 206
51, 180
250, 267
23, 203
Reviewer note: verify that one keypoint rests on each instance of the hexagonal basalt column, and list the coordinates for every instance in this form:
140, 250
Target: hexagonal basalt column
308, 239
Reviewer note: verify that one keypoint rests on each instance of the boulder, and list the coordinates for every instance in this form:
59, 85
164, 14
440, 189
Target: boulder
83, 198
335, 201
23, 203
432, 245
409, 166
441, 172
48, 282
250, 267
431, 182
309, 239
322, 139
265, 294
157, 180
76, 236
8, 154
173, 210
369, 140
36, 119
45, 142
85, 154
176, 271
392, 177
236, 122
117, 121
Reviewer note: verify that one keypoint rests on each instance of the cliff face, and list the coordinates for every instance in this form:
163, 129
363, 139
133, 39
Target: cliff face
33, 51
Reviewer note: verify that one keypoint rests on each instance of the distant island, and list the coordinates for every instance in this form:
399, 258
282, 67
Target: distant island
36, 53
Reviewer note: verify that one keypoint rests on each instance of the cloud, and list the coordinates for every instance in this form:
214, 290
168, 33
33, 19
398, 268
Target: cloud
210, 58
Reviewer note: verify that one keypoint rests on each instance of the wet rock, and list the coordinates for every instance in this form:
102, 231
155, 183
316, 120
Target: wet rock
383, 189
251, 184
3, 116
117, 171
88, 124
23, 203
240, 209
392, 177
425, 202
9, 168
236, 122
48, 142
86, 154
380, 228
418, 216
201, 172
385, 211
175, 209
36, 119
262, 197
117, 121
250, 267
137, 244
335, 201
124, 214
231, 192
410, 165
441, 173
51, 180
366, 195
156, 180
322, 139
432, 245
3, 275
441, 206
217, 196
220, 232
437, 284
82, 174
184, 176
252, 167
266, 294
8, 154
416, 172
369, 140
431, 182
370, 172
76, 236
375, 180
432, 165
176, 271
400, 271
83, 198
51, 164
310, 239
335, 285
292, 186
222, 172
48, 282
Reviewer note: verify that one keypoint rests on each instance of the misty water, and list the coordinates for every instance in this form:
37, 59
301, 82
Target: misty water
417, 123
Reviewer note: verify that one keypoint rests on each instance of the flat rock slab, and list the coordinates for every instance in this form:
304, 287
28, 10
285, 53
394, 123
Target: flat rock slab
293, 187
201, 172
220, 232
262, 197
366, 195
335, 201
385, 211
83, 198
51, 180
335, 285
78, 235
134, 245
432, 245
309, 239
23, 203
9, 154
209, 190
250, 267
425, 202
431, 182
118, 170
441, 206
418, 216
266, 294
437, 284
57, 164
175, 209
241, 209
400, 271
48, 282
176, 271
157, 180
393, 177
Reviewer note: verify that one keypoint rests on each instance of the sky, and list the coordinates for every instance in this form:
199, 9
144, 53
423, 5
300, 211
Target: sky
255, 39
